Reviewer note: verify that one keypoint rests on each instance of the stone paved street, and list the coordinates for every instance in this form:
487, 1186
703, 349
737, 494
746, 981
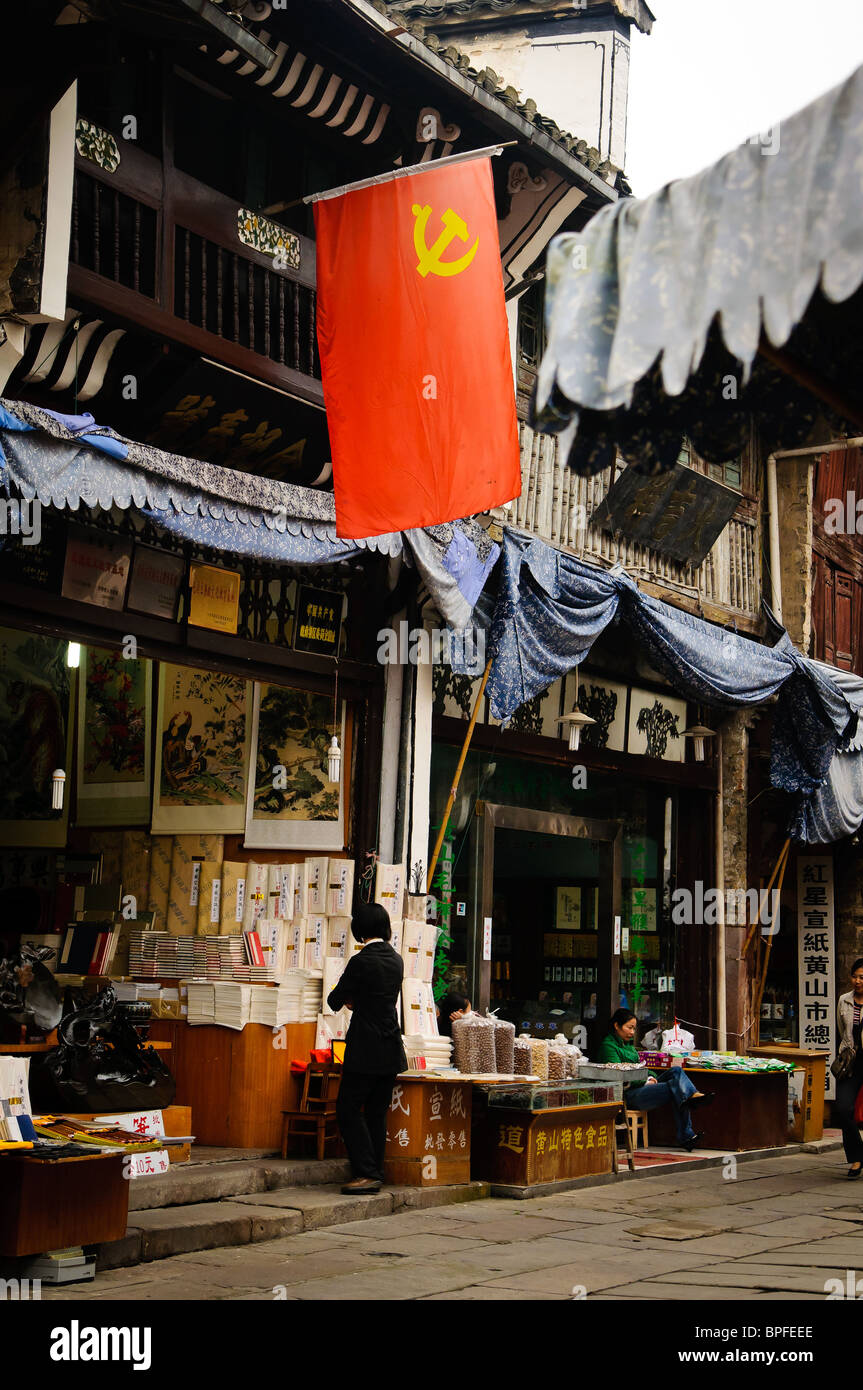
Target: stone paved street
777, 1231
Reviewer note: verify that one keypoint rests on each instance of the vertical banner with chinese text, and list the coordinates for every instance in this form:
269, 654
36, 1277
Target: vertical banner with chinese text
816, 957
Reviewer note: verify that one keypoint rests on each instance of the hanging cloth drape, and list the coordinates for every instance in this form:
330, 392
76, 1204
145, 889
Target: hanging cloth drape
551, 608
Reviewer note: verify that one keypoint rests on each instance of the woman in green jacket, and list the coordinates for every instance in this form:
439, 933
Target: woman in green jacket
675, 1088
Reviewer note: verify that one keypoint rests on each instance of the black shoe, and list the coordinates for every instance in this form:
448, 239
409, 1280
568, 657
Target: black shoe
689, 1144
703, 1099
855, 1172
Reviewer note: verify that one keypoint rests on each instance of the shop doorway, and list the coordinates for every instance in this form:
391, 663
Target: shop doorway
546, 928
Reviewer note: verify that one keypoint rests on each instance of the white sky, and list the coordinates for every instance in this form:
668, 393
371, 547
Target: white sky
715, 72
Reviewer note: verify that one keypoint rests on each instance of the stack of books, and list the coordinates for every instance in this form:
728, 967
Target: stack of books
60, 1266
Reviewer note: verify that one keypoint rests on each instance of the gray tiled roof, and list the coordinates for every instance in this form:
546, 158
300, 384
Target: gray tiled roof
636, 10
493, 83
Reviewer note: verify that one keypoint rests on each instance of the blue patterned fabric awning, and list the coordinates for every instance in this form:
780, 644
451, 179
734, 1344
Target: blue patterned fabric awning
835, 809
551, 608
70, 462
658, 309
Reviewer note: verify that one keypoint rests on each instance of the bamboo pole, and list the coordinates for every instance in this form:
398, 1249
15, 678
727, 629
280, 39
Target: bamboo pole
780, 863
457, 778
769, 948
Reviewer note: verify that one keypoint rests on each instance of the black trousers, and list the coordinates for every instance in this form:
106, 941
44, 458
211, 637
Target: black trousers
843, 1115
361, 1109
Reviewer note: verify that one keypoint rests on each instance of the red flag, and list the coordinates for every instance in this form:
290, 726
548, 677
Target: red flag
415, 352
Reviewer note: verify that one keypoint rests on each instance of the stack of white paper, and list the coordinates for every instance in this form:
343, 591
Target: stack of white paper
412, 949
274, 945
201, 1002
333, 971
390, 888
340, 892
436, 1051
429, 950
255, 900
317, 880
301, 906
288, 894
338, 937
315, 937
232, 1004
420, 1016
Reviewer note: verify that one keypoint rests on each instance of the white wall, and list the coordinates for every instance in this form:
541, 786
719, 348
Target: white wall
577, 72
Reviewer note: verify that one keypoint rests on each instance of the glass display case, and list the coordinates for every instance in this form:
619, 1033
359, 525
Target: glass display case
552, 1095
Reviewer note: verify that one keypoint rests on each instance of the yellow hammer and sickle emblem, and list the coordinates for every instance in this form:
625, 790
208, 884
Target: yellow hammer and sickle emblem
430, 257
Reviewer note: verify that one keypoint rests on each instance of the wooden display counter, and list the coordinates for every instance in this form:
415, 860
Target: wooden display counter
749, 1111
428, 1131
809, 1123
522, 1148
48, 1204
236, 1082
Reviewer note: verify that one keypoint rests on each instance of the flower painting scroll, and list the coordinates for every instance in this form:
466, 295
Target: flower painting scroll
114, 737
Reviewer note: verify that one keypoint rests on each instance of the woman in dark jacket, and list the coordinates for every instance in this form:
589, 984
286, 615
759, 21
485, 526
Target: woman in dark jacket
374, 1054
850, 1017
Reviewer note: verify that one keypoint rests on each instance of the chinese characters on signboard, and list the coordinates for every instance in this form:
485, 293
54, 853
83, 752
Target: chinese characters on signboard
816, 957
318, 621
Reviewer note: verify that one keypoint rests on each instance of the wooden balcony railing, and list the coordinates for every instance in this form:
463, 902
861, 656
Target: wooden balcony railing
156, 248
556, 505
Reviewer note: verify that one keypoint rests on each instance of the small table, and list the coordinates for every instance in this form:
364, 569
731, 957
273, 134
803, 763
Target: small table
749, 1111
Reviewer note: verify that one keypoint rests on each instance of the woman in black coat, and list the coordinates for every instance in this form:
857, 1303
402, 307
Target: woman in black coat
374, 1054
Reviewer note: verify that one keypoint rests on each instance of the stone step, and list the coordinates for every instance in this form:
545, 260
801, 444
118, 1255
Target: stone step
213, 1180
159, 1232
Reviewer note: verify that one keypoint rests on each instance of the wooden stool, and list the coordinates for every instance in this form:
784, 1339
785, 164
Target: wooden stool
315, 1117
621, 1125
637, 1121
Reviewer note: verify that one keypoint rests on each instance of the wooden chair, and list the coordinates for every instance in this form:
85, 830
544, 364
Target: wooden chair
621, 1125
315, 1117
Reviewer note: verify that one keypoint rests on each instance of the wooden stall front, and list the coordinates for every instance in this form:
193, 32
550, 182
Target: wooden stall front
49, 1204
809, 1121
749, 1111
428, 1131
236, 1082
519, 1148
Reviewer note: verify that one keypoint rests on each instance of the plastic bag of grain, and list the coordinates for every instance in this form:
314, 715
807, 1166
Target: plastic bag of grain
473, 1044
556, 1062
504, 1046
539, 1058
521, 1057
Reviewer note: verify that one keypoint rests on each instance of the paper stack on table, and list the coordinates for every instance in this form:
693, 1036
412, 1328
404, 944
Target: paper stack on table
232, 1004
201, 1002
